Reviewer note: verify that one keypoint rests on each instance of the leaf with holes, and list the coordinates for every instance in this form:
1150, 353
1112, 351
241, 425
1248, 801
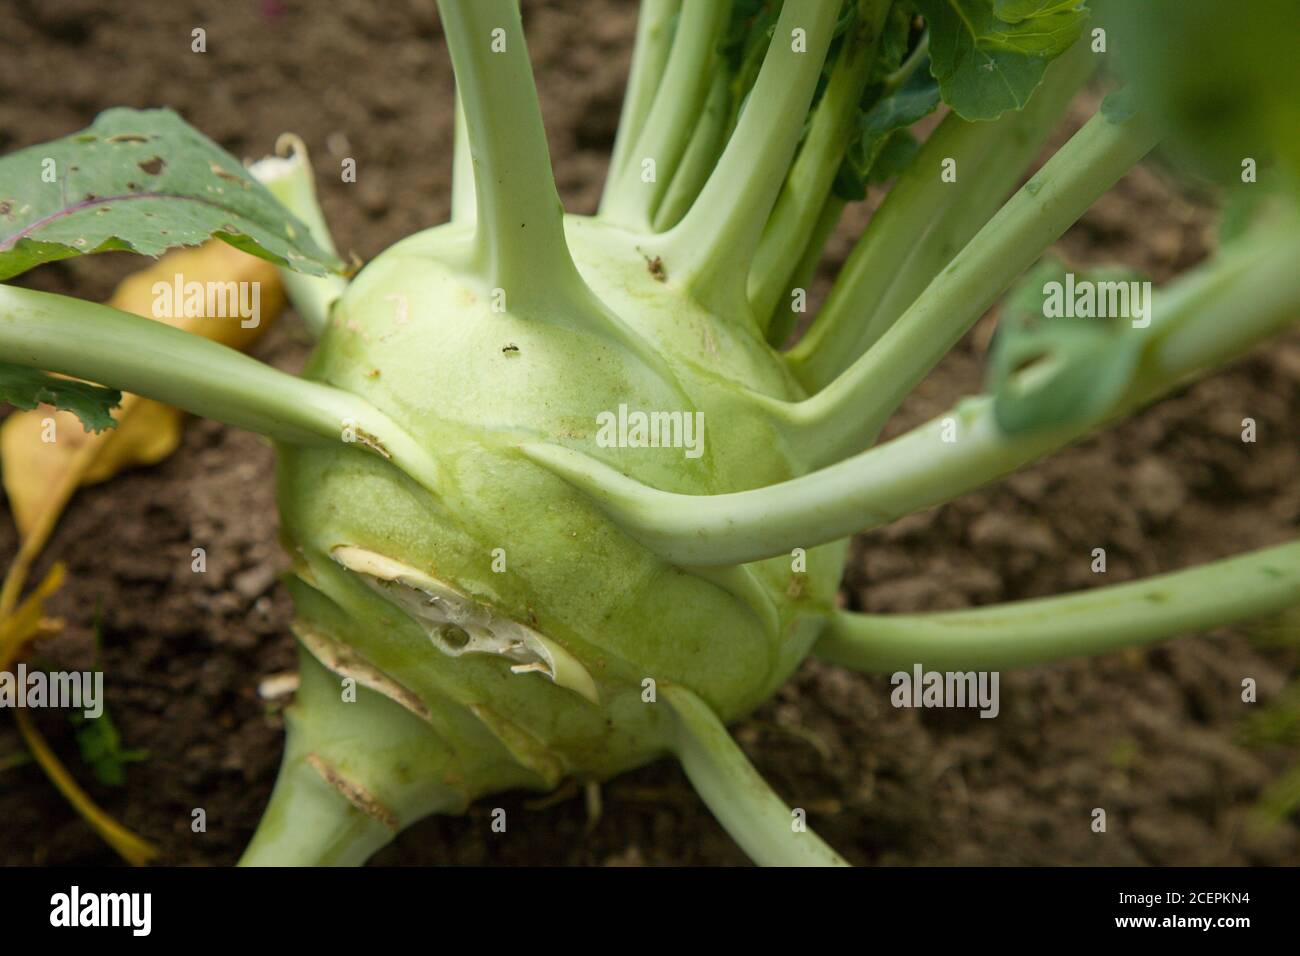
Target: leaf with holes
142, 181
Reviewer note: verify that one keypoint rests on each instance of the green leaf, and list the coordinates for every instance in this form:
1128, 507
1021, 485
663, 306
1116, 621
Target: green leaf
26, 388
1048, 370
142, 181
899, 150
748, 27
915, 99
876, 139
101, 748
987, 64
895, 38
1016, 11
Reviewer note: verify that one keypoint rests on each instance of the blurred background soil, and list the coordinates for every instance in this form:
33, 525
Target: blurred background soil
1150, 735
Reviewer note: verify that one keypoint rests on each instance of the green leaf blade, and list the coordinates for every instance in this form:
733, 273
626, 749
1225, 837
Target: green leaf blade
881, 145
989, 55
1014, 11
141, 181
26, 388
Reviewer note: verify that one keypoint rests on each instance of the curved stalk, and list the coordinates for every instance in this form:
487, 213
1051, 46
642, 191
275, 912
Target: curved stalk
920, 54
289, 177
667, 129
519, 219
1241, 297
104, 345
1070, 625
739, 798
712, 247
923, 221
654, 40
795, 216
848, 413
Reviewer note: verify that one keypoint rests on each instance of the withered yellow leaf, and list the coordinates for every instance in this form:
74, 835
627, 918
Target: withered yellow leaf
39, 448
25, 623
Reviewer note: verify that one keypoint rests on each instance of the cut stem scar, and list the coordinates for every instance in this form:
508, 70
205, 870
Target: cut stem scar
289, 177
457, 624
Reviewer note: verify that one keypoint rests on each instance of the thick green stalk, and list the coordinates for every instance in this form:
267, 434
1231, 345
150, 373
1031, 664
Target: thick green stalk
1238, 299
1070, 625
308, 824
654, 40
123, 351
463, 189
917, 199
924, 221
519, 219
354, 773
741, 800
289, 177
663, 139
711, 249
701, 154
785, 318
846, 415
808, 184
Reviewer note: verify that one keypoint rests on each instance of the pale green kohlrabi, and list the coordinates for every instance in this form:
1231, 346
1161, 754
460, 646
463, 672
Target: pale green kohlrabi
499, 580
524, 634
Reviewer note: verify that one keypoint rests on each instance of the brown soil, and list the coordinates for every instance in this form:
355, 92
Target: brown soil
1152, 736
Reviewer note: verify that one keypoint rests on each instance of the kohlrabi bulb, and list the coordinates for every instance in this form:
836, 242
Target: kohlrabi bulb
505, 611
